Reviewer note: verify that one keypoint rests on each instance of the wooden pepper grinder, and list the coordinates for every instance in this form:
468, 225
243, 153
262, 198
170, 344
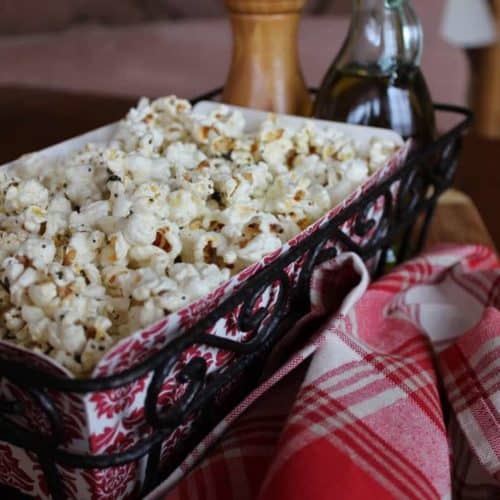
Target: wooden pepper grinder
265, 71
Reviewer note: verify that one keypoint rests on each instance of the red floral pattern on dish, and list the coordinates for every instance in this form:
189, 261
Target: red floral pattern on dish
152, 332
168, 392
223, 357
115, 401
168, 446
72, 409
136, 422
33, 415
69, 407
197, 351
11, 472
69, 480
100, 442
115, 482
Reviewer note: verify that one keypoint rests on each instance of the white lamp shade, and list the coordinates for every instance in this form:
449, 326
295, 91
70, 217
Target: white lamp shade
468, 23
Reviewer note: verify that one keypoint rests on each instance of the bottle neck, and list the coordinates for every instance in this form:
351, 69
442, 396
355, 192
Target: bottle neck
384, 35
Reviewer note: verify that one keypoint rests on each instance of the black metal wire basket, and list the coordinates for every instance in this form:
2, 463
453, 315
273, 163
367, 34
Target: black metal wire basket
408, 198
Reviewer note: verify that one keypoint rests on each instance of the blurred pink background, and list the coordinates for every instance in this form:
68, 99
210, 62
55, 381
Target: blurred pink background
154, 47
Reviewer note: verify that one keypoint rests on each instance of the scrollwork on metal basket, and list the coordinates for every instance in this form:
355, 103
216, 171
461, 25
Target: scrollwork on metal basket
264, 308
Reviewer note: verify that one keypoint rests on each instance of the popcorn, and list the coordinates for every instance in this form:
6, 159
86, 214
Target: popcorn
34, 217
79, 250
11, 270
185, 206
206, 246
115, 252
38, 251
92, 353
317, 202
80, 185
354, 171
380, 151
58, 214
183, 156
276, 149
112, 238
140, 229
89, 215
259, 246
227, 122
73, 338
42, 294
146, 314
13, 320
27, 193
150, 198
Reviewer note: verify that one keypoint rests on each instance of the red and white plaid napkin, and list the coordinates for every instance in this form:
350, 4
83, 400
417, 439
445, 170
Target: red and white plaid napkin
401, 398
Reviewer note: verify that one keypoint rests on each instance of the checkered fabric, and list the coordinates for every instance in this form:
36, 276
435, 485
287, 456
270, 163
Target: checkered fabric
400, 396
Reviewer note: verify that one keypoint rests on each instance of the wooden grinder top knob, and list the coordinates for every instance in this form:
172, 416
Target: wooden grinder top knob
265, 71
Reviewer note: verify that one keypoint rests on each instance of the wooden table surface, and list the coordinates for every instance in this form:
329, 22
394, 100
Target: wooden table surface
457, 220
31, 119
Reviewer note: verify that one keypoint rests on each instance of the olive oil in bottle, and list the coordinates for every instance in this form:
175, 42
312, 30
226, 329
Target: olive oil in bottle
376, 79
